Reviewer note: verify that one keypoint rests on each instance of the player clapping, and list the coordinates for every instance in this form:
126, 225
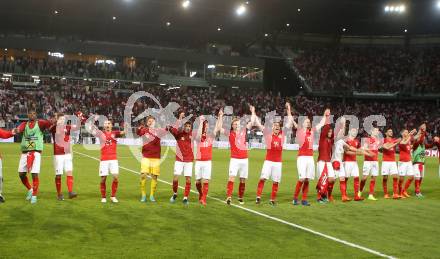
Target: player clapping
109, 161
62, 155
239, 164
272, 166
184, 157
151, 150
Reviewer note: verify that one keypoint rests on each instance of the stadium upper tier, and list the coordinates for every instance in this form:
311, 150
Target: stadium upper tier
414, 70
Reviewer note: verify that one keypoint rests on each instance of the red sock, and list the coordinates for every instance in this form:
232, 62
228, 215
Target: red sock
199, 189
35, 184
187, 189
229, 189
372, 184
175, 185
273, 196
420, 184
343, 187
205, 191
297, 190
417, 185
260, 187
58, 184
241, 189
69, 181
330, 189
305, 190
407, 184
400, 184
356, 186
114, 187
25, 181
395, 186
384, 185
363, 181
103, 190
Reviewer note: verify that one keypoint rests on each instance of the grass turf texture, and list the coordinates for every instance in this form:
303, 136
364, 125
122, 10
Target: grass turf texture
86, 228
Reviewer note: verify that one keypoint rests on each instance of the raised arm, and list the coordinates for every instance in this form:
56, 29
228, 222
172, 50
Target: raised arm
290, 121
391, 145
200, 128
254, 119
219, 123
325, 120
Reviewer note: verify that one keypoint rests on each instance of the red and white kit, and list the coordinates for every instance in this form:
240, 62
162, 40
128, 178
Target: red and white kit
350, 162
371, 163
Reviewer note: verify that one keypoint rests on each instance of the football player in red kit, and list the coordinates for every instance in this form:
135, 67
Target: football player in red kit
203, 166
305, 163
109, 158
389, 165
239, 164
62, 154
350, 162
4, 135
272, 167
184, 156
404, 165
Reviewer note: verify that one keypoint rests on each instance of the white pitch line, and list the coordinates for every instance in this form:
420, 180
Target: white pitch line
371, 251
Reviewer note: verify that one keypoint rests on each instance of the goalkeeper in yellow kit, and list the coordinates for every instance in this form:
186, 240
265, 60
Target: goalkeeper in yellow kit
150, 164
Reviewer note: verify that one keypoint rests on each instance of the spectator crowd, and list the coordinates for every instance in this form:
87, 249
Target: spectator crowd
371, 69
61, 96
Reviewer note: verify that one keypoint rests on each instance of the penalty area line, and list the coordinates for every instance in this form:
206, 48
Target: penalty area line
314, 232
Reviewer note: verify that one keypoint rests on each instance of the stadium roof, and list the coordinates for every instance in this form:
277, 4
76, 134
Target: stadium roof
161, 21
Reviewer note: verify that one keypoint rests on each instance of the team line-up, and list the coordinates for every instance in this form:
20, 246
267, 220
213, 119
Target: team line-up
337, 157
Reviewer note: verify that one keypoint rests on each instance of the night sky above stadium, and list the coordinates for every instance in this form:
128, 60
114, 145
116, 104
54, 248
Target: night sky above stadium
211, 20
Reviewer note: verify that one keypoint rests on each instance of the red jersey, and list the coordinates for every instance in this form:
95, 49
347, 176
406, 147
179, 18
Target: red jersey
274, 146
305, 142
389, 154
43, 124
349, 157
204, 149
184, 149
405, 152
325, 144
150, 141
109, 144
5, 134
373, 147
237, 141
61, 139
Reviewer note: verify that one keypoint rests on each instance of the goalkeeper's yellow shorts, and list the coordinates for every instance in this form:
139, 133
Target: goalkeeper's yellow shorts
150, 166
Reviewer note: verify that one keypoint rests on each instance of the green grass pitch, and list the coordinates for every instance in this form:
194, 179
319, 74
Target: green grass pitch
85, 228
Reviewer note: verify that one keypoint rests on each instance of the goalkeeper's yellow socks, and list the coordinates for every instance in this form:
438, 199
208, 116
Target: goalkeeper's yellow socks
144, 187
153, 186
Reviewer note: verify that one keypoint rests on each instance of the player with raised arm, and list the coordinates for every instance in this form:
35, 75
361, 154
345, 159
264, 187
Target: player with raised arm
305, 163
203, 165
62, 155
272, 166
389, 165
350, 162
324, 166
32, 145
109, 158
184, 157
405, 166
151, 151
239, 164
371, 163
4, 134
